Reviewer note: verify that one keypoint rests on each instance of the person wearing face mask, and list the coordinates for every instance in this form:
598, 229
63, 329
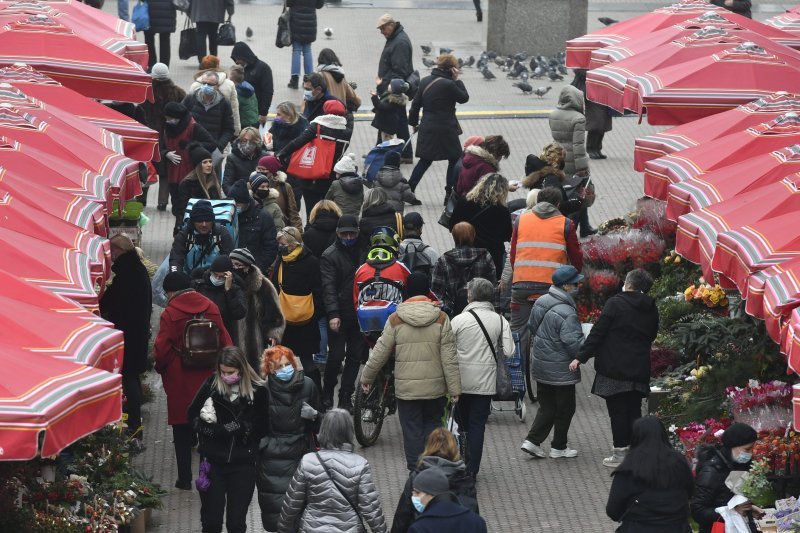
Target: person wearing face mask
556, 338
315, 94
293, 403
243, 158
338, 267
256, 229
267, 198
201, 182
212, 110
230, 415
219, 285
620, 342
714, 464
271, 167
438, 508
225, 85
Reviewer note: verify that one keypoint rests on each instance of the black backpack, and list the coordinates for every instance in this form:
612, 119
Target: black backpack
415, 258
460, 299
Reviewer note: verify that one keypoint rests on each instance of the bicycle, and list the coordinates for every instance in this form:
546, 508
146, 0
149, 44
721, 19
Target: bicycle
371, 408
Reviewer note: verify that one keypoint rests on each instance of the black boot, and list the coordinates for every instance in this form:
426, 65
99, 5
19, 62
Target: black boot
346, 403
447, 192
600, 135
294, 82
479, 16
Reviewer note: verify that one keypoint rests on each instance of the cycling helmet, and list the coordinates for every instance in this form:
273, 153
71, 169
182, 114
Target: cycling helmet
385, 238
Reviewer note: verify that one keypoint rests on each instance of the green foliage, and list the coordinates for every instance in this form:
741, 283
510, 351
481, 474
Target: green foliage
700, 336
674, 277
671, 310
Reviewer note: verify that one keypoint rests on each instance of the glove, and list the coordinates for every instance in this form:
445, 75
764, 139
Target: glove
173, 157
232, 427
307, 412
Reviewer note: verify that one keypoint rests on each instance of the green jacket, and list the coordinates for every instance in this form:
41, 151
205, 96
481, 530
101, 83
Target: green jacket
248, 110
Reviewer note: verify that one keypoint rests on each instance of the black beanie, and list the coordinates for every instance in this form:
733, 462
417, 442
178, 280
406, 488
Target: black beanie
738, 435
239, 193
417, 284
202, 211
222, 263
533, 163
175, 110
392, 159
176, 281
198, 154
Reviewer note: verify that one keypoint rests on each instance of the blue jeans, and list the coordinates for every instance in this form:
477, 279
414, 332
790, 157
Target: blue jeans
322, 356
308, 61
122, 10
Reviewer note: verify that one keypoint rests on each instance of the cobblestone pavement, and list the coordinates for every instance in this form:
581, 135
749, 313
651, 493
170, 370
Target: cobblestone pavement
515, 493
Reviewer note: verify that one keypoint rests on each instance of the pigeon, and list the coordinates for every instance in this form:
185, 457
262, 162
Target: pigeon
524, 87
248, 33
607, 21
426, 49
460, 63
328, 33
562, 69
521, 56
517, 69
487, 74
555, 76
523, 76
430, 63
491, 54
500, 61
469, 61
541, 91
443, 51
539, 72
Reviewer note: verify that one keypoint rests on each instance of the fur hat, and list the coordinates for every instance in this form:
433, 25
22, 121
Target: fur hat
271, 163
738, 435
256, 180
392, 159
202, 211
160, 71
346, 165
432, 481
175, 110
198, 154
176, 281
334, 107
243, 255
222, 263
239, 193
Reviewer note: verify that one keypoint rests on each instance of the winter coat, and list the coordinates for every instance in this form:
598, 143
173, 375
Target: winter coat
315, 503
163, 16
392, 181
238, 166
348, 193
413, 246
477, 162
492, 227
462, 486
257, 73
741, 7
395, 59
475, 359
189, 188
338, 86
390, 113
180, 383
288, 439
270, 207
315, 108
643, 509
426, 364
376, 216
210, 10
621, 338
217, 119
443, 514
283, 133
177, 139
248, 106
598, 116
714, 464
230, 302
164, 92
303, 19
568, 127
321, 233
331, 126
128, 303
285, 200
546, 176
257, 233
439, 129
264, 319
338, 266
456, 267
556, 338
215, 443
301, 277
226, 88
219, 242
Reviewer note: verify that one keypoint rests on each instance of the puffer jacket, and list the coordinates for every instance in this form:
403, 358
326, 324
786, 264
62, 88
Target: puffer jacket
462, 486
392, 181
162, 16
568, 127
557, 337
288, 438
714, 464
337, 267
321, 233
238, 166
390, 113
475, 359
270, 207
226, 88
348, 193
476, 163
303, 19
314, 502
217, 118
426, 364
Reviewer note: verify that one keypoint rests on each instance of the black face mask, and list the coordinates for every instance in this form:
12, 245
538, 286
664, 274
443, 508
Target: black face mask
283, 249
262, 193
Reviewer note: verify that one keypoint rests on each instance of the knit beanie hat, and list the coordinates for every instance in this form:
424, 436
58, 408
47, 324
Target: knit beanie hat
334, 107
346, 165
175, 110
432, 481
398, 86
738, 435
202, 211
392, 159
222, 263
198, 154
271, 163
239, 192
243, 255
256, 180
160, 71
418, 284
176, 281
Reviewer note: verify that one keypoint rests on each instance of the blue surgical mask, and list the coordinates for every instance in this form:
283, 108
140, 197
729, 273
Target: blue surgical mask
279, 120
417, 503
285, 373
207, 90
348, 243
308, 95
744, 457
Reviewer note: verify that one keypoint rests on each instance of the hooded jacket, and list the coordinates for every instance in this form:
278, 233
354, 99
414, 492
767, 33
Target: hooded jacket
568, 127
390, 113
226, 88
331, 126
395, 59
392, 181
426, 364
257, 73
456, 267
476, 163
270, 207
180, 383
348, 193
556, 338
443, 514
230, 302
622, 337
285, 200
338, 86
263, 319
714, 464
216, 117
321, 233
338, 266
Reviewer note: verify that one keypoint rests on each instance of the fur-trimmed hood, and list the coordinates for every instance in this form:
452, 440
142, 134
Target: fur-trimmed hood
279, 177
475, 154
531, 180
397, 99
335, 122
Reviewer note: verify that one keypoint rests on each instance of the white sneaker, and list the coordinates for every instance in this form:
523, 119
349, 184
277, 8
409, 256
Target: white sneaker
617, 456
533, 449
566, 452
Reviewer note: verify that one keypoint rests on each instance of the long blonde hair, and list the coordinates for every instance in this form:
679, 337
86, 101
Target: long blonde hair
491, 189
234, 357
288, 109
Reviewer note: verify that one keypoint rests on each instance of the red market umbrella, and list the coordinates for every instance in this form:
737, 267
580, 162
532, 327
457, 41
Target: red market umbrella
788, 22
704, 86
47, 404
689, 163
790, 346
772, 295
59, 52
712, 127
139, 141
579, 50
85, 12
729, 181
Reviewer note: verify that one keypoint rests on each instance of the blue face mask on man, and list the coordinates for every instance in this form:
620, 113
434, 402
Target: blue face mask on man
285, 373
417, 503
348, 243
207, 90
308, 95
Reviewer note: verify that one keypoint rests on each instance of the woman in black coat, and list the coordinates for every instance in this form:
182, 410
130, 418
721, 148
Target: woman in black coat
127, 303
320, 232
303, 22
438, 140
651, 488
162, 22
376, 212
244, 156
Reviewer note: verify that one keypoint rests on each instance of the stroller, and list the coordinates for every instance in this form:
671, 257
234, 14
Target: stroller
377, 155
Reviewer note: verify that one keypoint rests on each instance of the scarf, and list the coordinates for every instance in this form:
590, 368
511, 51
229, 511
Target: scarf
293, 255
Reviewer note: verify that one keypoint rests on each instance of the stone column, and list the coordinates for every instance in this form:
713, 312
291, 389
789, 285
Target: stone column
534, 26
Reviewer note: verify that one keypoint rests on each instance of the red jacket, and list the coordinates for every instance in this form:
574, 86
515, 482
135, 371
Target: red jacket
477, 162
181, 384
397, 271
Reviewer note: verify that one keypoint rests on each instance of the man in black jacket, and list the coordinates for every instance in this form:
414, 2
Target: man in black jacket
395, 63
257, 231
219, 285
211, 110
258, 74
338, 266
199, 241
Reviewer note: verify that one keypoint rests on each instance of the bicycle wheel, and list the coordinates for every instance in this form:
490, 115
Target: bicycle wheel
369, 411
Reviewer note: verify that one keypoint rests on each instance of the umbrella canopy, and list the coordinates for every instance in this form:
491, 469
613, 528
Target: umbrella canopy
729, 181
712, 127
790, 341
579, 51
707, 85
55, 402
95, 16
689, 163
788, 22
773, 293
59, 52
138, 141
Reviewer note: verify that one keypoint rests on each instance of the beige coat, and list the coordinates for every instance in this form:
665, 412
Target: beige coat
426, 364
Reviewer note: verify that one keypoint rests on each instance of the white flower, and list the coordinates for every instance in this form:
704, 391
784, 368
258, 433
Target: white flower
753, 383
673, 428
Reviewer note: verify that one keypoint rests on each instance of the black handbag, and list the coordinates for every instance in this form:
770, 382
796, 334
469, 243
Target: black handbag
226, 36
283, 37
187, 46
505, 389
447, 214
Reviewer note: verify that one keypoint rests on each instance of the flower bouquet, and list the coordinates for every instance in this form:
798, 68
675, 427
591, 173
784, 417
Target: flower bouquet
688, 438
756, 485
703, 292
765, 406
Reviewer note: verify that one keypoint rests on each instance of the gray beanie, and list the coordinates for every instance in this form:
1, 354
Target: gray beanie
432, 481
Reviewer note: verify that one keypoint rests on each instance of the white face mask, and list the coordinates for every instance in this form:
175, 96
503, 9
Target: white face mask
215, 281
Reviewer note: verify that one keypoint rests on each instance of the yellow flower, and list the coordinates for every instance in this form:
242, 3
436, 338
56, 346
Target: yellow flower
714, 297
723, 302
677, 259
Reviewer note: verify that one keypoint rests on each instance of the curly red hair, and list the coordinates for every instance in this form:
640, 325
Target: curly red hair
272, 356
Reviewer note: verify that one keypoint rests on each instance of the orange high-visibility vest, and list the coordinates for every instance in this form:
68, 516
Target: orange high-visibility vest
541, 248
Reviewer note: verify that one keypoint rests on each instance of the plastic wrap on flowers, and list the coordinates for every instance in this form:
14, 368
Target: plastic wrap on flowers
651, 215
597, 288
764, 406
623, 251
